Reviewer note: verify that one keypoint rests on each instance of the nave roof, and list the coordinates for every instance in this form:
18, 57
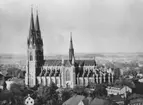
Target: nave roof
58, 62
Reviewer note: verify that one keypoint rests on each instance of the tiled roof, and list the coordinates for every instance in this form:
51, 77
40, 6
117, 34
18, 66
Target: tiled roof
86, 100
86, 62
115, 87
74, 100
56, 62
53, 62
98, 101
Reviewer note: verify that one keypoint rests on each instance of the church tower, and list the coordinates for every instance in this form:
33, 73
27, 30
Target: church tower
72, 62
40, 55
71, 49
34, 52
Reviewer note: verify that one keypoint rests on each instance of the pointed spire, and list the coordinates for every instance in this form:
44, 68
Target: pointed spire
37, 27
32, 20
71, 49
71, 44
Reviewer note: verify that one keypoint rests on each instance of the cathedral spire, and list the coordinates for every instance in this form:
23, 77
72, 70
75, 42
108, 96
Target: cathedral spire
38, 32
71, 49
37, 27
32, 36
32, 21
71, 43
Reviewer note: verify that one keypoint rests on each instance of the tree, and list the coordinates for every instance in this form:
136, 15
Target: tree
117, 73
80, 90
16, 89
100, 90
131, 72
125, 82
47, 95
65, 95
6, 97
13, 71
19, 92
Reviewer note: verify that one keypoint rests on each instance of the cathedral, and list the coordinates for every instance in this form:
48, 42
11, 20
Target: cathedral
63, 72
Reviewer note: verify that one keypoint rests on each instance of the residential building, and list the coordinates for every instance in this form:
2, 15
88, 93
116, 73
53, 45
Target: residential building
118, 90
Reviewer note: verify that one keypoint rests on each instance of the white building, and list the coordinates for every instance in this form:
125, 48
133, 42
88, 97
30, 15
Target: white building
8, 84
29, 100
122, 90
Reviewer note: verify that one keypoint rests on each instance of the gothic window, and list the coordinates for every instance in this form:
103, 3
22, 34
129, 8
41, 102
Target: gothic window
79, 81
42, 81
31, 58
67, 75
57, 80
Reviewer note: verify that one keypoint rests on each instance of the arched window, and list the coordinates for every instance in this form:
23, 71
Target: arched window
31, 58
67, 75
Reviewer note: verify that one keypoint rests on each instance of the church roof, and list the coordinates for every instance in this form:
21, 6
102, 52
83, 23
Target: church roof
86, 62
57, 62
53, 62
98, 101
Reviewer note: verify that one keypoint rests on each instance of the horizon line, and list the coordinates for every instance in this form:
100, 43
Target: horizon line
60, 54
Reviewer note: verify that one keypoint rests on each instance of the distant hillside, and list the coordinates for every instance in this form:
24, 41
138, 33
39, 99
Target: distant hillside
11, 59
21, 59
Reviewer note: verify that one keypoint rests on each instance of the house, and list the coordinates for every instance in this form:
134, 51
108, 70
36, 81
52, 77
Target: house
141, 80
8, 84
76, 100
118, 90
82, 100
85, 101
98, 101
29, 100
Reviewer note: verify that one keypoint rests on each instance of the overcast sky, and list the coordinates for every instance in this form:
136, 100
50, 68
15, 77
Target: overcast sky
97, 25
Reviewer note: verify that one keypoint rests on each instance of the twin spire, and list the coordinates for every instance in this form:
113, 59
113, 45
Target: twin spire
35, 36
34, 27
34, 32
